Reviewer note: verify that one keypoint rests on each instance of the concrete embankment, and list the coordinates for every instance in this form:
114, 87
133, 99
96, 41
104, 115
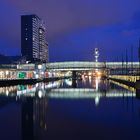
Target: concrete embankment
28, 81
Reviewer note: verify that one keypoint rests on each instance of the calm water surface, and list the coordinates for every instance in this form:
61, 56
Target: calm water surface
91, 109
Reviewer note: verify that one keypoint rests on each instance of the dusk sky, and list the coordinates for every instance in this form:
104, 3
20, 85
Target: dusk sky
75, 27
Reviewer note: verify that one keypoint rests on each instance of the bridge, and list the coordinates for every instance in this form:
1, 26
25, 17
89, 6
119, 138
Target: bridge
72, 65
80, 65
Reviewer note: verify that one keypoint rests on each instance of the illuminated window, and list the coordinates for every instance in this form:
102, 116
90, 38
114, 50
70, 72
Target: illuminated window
40, 31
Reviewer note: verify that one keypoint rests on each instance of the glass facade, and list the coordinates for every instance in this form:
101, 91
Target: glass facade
33, 39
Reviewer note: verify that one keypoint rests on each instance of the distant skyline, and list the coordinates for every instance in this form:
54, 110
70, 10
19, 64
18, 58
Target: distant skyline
75, 28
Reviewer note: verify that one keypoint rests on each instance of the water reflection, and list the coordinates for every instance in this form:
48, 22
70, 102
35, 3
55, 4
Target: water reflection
42, 102
34, 111
100, 88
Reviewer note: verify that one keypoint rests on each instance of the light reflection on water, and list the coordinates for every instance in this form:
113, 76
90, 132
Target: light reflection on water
70, 110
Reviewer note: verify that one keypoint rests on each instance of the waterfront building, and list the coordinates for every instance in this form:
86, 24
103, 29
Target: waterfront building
33, 39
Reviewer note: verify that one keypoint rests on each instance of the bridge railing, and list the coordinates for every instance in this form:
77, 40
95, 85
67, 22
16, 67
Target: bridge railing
61, 65
109, 65
77, 64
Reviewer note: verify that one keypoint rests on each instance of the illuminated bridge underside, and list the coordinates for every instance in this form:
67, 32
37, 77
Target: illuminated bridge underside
85, 93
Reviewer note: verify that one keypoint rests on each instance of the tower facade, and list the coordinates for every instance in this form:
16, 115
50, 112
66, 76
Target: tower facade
96, 54
33, 39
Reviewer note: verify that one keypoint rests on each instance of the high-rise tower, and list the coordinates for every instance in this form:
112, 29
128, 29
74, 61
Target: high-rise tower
33, 39
96, 54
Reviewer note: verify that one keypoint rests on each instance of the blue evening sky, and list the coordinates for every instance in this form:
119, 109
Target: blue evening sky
75, 27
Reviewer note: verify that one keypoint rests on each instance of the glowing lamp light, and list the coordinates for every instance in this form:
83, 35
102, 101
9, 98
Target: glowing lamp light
97, 100
7, 72
40, 94
89, 73
37, 76
36, 85
7, 92
42, 72
39, 66
99, 73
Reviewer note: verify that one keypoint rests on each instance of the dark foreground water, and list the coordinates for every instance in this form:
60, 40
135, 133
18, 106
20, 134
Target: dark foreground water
65, 110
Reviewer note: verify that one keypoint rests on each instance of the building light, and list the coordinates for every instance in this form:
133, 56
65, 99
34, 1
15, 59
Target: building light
7, 72
36, 76
39, 66
42, 72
